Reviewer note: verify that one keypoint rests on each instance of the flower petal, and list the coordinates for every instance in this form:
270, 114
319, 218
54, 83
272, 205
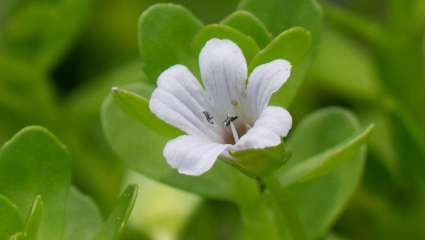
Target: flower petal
179, 101
192, 155
273, 124
224, 71
262, 83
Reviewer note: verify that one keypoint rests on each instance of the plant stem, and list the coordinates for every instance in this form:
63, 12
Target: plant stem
284, 213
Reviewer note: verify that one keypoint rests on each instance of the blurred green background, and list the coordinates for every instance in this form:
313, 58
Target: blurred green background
60, 58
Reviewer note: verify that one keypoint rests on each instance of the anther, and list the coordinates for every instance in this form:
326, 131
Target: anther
208, 117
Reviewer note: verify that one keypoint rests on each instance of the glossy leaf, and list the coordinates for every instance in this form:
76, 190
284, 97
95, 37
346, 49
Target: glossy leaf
83, 217
292, 45
117, 220
42, 169
138, 107
320, 164
165, 34
250, 25
247, 44
33, 221
142, 149
10, 219
316, 134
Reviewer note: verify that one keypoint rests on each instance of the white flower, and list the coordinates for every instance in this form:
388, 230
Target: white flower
225, 115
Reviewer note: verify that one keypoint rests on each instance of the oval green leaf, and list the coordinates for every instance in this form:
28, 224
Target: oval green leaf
250, 25
165, 34
32, 163
316, 134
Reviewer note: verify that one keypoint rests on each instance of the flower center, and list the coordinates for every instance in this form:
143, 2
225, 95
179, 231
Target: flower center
232, 129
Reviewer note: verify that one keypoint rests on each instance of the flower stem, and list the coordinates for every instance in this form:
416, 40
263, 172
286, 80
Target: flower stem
284, 213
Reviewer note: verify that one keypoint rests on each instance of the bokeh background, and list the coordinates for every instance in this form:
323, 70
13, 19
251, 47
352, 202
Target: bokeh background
60, 79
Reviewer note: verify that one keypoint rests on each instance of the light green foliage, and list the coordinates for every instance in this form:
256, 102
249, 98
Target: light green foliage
114, 225
42, 169
82, 217
165, 35
250, 25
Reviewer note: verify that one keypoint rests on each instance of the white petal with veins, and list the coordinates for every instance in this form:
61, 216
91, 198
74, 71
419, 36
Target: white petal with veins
224, 72
263, 82
179, 101
192, 155
273, 124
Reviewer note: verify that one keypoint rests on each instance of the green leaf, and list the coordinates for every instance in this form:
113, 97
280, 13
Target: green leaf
41, 32
10, 219
292, 45
320, 164
316, 134
138, 107
33, 221
165, 34
82, 218
247, 44
117, 220
279, 15
250, 25
142, 150
34, 163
